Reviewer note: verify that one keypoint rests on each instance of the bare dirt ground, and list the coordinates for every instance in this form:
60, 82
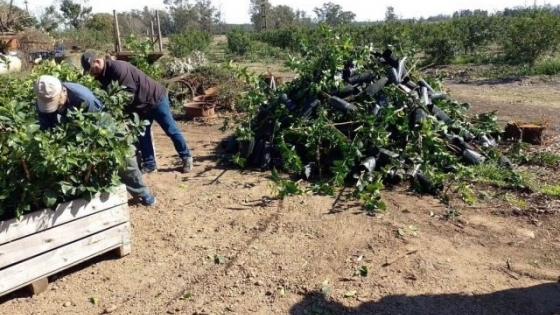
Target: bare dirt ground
532, 99
275, 257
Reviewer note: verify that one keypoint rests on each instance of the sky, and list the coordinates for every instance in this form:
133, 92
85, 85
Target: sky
236, 11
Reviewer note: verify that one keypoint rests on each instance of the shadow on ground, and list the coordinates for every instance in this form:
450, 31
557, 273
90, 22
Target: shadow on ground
538, 300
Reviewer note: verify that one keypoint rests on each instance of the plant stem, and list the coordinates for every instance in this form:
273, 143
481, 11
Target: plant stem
330, 125
88, 173
25, 169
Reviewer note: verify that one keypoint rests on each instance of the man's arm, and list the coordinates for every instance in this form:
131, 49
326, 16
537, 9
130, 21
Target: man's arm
83, 98
92, 104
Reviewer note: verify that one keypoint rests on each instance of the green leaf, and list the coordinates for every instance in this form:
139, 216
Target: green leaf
94, 300
363, 271
325, 288
381, 205
49, 198
218, 260
32, 128
67, 190
186, 296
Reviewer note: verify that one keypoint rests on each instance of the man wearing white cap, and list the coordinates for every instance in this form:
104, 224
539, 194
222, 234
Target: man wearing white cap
54, 98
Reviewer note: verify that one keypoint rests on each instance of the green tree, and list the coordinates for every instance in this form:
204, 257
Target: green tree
390, 15
207, 15
396, 33
333, 14
439, 42
74, 13
529, 35
302, 18
132, 22
183, 44
276, 16
147, 15
238, 41
475, 31
102, 22
201, 15
282, 16
49, 19
13, 18
256, 13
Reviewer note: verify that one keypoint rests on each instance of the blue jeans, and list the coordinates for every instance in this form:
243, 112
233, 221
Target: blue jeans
131, 176
162, 115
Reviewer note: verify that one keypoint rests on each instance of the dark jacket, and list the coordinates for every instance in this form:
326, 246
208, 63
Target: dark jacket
79, 96
147, 93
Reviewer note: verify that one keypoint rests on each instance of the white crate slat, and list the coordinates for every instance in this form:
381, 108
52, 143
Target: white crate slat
46, 242
52, 262
11, 230
53, 238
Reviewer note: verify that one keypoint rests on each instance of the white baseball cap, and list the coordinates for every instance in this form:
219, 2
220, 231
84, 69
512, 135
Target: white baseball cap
48, 90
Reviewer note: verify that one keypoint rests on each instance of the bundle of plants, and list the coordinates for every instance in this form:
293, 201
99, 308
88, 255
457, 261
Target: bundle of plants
356, 116
76, 159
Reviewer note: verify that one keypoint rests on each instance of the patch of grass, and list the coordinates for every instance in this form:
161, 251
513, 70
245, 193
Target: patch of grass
549, 66
495, 175
451, 213
550, 190
545, 159
472, 59
514, 201
259, 52
518, 152
466, 193
503, 71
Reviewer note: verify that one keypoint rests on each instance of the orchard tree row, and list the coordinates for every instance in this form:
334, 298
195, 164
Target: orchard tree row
514, 37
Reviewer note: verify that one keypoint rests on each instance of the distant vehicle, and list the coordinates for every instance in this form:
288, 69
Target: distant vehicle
37, 56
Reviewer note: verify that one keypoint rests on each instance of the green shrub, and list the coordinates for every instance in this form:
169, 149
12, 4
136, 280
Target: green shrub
547, 66
238, 42
87, 38
76, 159
395, 33
290, 38
473, 32
440, 44
141, 50
530, 35
260, 51
182, 45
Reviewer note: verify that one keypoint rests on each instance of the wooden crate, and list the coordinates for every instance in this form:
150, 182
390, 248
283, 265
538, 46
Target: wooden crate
46, 242
527, 132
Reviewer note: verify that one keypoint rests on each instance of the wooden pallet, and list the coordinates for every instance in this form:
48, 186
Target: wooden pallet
46, 242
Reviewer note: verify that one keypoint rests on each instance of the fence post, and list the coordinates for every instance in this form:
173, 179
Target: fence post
117, 33
159, 31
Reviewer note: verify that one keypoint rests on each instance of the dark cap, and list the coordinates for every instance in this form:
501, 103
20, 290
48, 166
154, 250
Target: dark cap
87, 58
